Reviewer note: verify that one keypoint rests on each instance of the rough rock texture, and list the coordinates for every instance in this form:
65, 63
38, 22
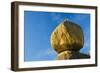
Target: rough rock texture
67, 39
71, 55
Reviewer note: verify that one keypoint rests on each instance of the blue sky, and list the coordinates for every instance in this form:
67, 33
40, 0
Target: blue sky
38, 27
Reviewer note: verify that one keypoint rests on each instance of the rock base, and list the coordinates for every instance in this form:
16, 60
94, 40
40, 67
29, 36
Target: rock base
71, 55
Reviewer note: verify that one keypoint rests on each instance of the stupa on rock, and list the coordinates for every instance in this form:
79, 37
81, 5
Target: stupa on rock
67, 39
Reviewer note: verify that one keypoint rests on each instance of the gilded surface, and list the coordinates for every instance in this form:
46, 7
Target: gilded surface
67, 36
67, 39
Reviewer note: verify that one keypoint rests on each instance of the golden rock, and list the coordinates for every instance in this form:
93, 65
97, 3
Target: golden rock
67, 36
